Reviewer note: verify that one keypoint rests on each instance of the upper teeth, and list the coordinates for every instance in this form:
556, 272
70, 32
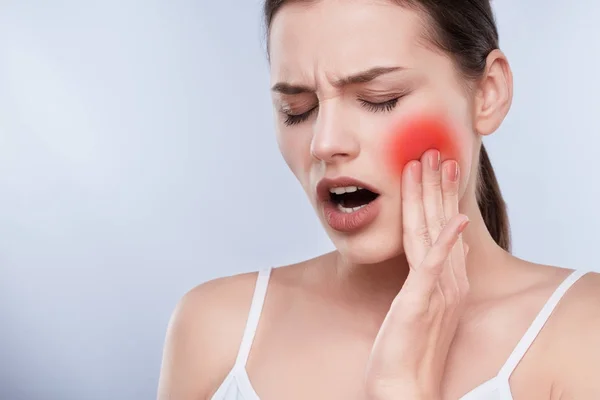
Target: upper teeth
345, 189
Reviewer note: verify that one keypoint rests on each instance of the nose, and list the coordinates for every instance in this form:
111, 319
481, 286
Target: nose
334, 139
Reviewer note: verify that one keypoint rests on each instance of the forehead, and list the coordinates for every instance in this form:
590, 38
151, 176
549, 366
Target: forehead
344, 36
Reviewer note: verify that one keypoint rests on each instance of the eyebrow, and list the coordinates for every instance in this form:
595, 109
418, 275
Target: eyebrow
360, 77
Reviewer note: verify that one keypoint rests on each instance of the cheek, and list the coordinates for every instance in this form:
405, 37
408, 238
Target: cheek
412, 136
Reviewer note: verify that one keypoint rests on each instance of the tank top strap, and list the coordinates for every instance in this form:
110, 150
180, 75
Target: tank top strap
538, 323
258, 299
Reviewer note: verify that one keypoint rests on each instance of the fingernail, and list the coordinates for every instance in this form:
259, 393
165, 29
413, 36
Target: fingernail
434, 160
415, 170
463, 225
451, 171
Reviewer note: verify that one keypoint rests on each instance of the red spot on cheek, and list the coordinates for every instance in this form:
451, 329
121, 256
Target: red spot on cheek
412, 137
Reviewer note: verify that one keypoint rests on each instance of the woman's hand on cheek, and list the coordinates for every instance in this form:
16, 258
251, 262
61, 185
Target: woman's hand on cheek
409, 354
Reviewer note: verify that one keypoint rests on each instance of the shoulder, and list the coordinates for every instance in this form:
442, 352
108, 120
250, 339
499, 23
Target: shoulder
577, 317
575, 335
203, 336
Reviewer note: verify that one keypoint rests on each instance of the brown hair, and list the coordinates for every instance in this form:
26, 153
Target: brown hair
466, 30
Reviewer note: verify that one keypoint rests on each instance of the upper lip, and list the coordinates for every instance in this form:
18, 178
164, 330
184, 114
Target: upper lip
327, 183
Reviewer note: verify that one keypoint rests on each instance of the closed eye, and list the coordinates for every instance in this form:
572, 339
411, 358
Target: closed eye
293, 119
385, 106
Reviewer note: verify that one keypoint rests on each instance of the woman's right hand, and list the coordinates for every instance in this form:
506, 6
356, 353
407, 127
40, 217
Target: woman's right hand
409, 353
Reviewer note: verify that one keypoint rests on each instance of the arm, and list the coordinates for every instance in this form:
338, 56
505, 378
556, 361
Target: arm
203, 336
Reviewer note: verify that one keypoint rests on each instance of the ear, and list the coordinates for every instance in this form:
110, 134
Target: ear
494, 94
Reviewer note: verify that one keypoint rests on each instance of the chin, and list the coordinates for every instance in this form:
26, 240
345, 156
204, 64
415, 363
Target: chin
374, 245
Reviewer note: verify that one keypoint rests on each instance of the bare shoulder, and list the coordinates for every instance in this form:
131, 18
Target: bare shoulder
203, 337
206, 329
575, 335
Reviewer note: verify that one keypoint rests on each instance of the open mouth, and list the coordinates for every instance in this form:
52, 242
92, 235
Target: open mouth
349, 205
349, 199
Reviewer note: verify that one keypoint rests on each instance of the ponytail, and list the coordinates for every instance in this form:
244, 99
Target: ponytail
491, 204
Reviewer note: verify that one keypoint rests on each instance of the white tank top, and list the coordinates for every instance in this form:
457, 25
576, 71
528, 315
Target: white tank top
237, 385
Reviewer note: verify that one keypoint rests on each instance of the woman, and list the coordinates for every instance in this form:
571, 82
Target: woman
413, 304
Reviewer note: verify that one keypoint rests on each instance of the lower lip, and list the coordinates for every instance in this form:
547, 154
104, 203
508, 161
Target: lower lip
350, 222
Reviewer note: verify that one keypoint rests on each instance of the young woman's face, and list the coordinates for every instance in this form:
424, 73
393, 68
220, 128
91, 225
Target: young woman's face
332, 126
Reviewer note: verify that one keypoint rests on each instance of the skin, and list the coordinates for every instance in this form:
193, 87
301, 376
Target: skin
343, 314
412, 137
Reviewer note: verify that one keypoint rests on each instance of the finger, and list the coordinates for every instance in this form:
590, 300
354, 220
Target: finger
432, 193
463, 280
415, 233
449, 181
417, 293
433, 265
435, 216
450, 195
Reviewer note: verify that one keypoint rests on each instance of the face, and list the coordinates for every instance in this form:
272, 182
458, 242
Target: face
344, 73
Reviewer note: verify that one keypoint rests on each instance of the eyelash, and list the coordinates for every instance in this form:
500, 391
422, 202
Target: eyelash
385, 106
296, 119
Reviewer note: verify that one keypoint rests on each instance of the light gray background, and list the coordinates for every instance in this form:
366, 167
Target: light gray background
137, 151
